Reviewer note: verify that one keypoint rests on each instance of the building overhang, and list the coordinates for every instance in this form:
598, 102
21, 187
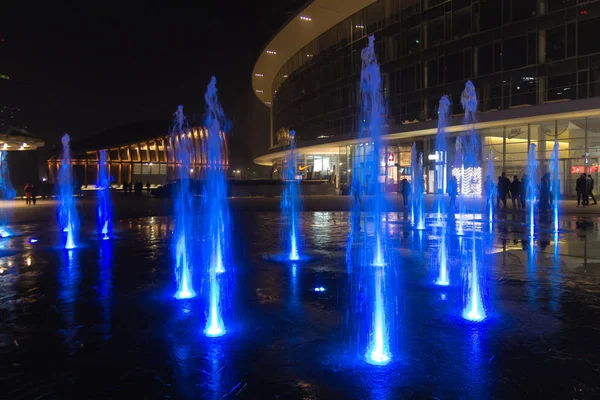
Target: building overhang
17, 139
571, 110
308, 24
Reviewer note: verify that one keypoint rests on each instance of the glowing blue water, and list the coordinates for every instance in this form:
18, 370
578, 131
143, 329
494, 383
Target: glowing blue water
418, 188
365, 177
459, 162
104, 208
183, 251
441, 167
215, 211
531, 188
470, 149
555, 183
291, 202
443, 278
474, 309
67, 215
7, 191
490, 190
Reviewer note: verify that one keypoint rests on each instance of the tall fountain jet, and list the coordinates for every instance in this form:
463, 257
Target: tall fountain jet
67, 215
489, 190
104, 207
474, 309
531, 188
183, 251
366, 177
441, 159
469, 149
555, 183
418, 189
459, 162
7, 191
215, 212
291, 202
443, 278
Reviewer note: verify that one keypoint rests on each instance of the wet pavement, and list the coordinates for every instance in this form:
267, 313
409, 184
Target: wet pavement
99, 322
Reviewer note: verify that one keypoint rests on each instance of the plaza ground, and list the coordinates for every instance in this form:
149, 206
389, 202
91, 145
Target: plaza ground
144, 206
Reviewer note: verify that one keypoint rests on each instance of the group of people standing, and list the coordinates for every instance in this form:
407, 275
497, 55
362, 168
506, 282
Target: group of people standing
136, 187
31, 193
584, 186
516, 190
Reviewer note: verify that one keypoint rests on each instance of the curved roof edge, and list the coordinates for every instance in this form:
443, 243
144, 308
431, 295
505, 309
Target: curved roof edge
306, 25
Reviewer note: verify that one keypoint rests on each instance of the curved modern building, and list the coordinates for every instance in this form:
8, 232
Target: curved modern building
142, 151
535, 65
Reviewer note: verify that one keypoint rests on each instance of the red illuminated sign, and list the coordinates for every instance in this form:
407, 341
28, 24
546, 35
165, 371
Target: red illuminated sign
580, 169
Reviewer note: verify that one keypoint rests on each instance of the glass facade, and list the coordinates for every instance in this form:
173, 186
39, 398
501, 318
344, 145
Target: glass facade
517, 53
578, 141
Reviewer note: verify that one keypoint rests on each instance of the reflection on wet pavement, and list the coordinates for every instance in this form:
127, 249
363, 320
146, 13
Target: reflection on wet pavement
100, 321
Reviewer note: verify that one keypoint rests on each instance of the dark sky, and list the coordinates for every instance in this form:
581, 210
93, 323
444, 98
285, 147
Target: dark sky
83, 67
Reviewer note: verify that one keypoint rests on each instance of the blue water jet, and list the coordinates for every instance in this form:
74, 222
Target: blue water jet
365, 176
183, 250
7, 191
471, 183
441, 168
459, 162
215, 211
418, 188
474, 309
531, 188
291, 202
555, 183
104, 208
67, 215
443, 278
490, 190
470, 170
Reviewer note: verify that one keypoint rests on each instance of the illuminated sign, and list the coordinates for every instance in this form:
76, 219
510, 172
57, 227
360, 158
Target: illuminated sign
580, 169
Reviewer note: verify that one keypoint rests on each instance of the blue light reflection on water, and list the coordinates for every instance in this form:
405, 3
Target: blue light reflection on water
105, 284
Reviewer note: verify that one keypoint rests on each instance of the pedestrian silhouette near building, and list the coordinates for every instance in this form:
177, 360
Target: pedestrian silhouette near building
27, 191
581, 189
590, 182
503, 189
405, 190
515, 192
34, 193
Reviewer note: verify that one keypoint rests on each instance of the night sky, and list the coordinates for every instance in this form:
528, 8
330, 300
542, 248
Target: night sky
82, 68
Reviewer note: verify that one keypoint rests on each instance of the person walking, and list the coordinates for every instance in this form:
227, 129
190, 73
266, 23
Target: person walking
503, 189
405, 190
524, 183
581, 189
34, 193
148, 188
590, 182
27, 191
515, 192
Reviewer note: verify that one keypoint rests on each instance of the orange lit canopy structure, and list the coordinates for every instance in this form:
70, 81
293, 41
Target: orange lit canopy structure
139, 152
